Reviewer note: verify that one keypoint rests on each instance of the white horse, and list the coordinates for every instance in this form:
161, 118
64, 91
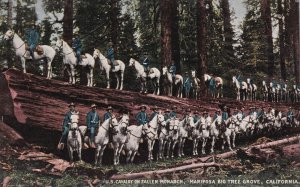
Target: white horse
214, 131
19, 45
120, 138
229, 132
247, 124
168, 83
133, 143
272, 91
150, 132
162, 139
252, 89
102, 138
218, 87
195, 85
74, 141
265, 91
70, 61
173, 137
105, 64
186, 124
196, 135
278, 121
179, 84
240, 89
154, 75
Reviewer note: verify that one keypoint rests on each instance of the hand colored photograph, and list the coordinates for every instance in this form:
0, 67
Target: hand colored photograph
149, 93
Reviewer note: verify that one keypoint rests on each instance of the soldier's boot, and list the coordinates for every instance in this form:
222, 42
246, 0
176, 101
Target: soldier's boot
31, 54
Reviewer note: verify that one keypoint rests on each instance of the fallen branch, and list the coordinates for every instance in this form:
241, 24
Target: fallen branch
165, 171
191, 164
11, 135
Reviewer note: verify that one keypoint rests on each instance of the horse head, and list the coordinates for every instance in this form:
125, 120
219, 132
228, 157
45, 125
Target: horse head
59, 44
164, 70
123, 123
193, 73
9, 34
131, 62
113, 123
96, 53
161, 119
206, 77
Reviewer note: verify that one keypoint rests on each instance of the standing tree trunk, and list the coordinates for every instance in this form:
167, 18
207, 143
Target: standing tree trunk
295, 33
281, 40
68, 21
175, 36
166, 29
228, 33
114, 27
10, 62
266, 17
201, 32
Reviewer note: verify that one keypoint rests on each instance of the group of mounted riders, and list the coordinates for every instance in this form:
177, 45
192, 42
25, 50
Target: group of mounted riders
93, 119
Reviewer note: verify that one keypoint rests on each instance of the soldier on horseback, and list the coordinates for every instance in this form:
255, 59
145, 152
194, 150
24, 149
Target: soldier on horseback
290, 115
77, 46
173, 113
196, 116
141, 117
108, 114
172, 70
217, 113
111, 55
187, 84
32, 38
66, 126
155, 112
167, 115
225, 115
242, 111
92, 121
146, 63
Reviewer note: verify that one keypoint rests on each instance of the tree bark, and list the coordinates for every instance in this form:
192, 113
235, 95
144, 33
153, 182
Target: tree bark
175, 36
266, 17
295, 36
9, 14
166, 30
281, 40
68, 21
114, 27
201, 41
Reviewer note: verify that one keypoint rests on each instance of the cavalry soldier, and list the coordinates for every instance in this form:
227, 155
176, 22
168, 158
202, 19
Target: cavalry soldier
261, 112
290, 115
172, 70
225, 114
206, 117
77, 46
32, 38
155, 112
66, 124
111, 55
235, 111
196, 116
92, 121
251, 112
146, 63
239, 78
108, 114
167, 115
141, 117
242, 111
187, 84
212, 84
217, 113
173, 113
187, 112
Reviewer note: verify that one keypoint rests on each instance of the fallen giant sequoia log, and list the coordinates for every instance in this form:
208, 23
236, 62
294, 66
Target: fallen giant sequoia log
190, 164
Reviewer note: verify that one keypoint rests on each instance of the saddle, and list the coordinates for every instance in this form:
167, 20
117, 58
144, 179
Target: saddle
115, 62
39, 50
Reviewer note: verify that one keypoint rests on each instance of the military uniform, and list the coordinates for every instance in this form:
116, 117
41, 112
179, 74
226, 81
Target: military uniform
172, 70
92, 122
108, 114
167, 115
146, 64
173, 114
141, 117
187, 85
154, 113
217, 113
196, 117
224, 115
66, 125
239, 78
290, 116
32, 37
111, 55
77, 47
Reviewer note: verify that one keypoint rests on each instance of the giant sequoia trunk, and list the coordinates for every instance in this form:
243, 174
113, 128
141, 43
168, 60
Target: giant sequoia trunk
175, 36
295, 36
68, 21
266, 17
114, 26
166, 30
281, 40
201, 30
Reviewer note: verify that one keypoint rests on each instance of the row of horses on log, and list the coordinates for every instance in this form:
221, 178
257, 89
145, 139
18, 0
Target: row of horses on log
173, 133
244, 91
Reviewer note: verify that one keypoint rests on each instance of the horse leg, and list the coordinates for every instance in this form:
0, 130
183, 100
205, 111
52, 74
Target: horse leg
122, 79
203, 145
212, 144
173, 148
132, 157
128, 156
181, 147
118, 80
160, 148
168, 146
97, 154
149, 149
101, 154
72, 74
194, 145
228, 141
157, 86
49, 69
116, 146
23, 61
70, 150
119, 153
233, 139
107, 79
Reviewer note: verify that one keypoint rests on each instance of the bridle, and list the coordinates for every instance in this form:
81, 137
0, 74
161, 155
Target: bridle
11, 37
61, 47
